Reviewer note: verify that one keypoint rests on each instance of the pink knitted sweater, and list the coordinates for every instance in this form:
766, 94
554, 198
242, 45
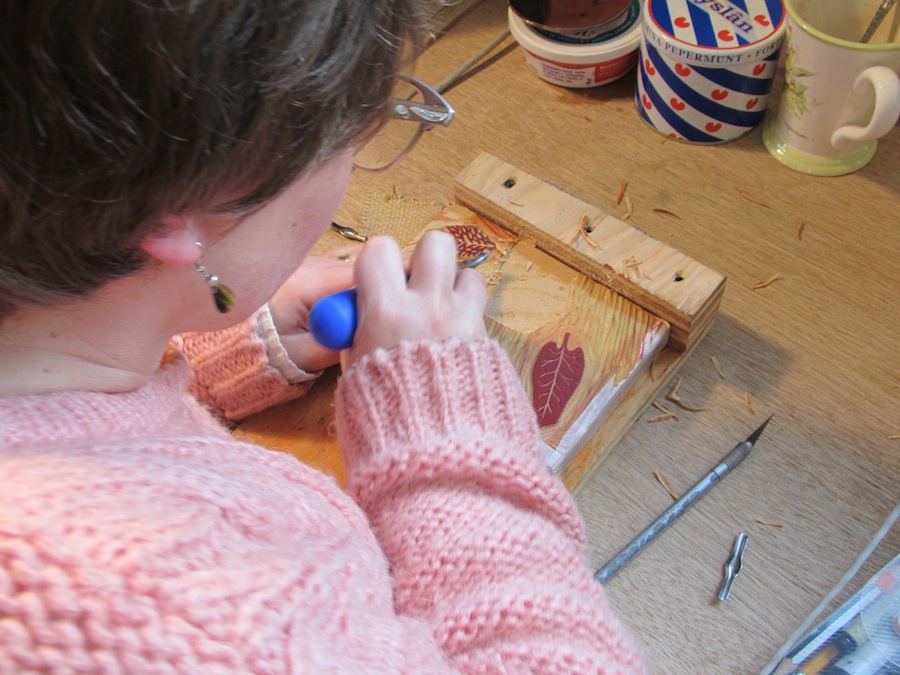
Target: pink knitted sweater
138, 536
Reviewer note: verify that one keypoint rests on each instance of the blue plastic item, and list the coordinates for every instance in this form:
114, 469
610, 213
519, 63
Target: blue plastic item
332, 320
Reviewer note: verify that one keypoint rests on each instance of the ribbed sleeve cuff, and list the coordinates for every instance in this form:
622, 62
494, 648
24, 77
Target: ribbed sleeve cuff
231, 372
424, 390
277, 354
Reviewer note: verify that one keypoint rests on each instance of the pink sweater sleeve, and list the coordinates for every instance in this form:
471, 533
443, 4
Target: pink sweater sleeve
231, 371
485, 544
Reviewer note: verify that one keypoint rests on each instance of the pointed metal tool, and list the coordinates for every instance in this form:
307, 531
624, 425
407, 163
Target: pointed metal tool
687, 500
348, 232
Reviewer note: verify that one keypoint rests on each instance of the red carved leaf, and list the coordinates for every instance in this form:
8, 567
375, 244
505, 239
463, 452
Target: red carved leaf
556, 375
470, 240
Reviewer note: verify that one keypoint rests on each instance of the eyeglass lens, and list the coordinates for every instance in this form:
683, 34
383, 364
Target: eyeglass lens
395, 138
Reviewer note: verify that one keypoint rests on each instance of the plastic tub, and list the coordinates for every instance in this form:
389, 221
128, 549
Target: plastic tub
580, 63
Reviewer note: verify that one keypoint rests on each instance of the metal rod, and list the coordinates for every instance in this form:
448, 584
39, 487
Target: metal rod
451, 79
880, 13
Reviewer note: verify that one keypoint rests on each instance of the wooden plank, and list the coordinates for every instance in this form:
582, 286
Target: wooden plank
657, 277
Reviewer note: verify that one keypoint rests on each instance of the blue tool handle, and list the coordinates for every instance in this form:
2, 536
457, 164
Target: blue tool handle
332, 320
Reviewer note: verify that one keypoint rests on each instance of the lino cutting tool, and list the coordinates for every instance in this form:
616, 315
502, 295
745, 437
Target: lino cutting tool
687, 500
332, 319
348, 232
733, 565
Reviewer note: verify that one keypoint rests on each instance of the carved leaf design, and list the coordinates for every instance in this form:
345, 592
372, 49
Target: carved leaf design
470, 240
556, 375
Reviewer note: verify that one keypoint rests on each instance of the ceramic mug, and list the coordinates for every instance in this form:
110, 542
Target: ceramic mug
840, 95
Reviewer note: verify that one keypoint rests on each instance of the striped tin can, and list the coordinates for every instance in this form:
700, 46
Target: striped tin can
706, 67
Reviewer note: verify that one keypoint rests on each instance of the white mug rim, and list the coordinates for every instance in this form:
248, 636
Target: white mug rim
839, 42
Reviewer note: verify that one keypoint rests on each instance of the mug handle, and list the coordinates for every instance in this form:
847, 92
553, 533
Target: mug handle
887, 107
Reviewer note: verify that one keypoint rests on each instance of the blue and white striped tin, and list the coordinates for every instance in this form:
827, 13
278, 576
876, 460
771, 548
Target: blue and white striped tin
706, 66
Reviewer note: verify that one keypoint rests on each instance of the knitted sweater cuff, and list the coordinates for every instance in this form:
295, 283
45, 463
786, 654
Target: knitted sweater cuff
445, 412
231, 371
425, 389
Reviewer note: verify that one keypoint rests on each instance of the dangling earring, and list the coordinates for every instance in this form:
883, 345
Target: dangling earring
222, 295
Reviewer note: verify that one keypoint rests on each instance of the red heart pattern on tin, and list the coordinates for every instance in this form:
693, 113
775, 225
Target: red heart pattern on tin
678, 99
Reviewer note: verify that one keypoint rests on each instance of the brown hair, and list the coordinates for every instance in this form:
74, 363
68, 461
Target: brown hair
116, 112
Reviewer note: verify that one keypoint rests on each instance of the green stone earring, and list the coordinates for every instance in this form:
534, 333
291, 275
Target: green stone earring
222, 295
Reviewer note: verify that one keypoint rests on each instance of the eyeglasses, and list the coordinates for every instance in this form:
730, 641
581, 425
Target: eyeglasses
415, 109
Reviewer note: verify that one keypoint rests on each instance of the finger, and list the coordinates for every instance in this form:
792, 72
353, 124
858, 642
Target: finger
433, 265
471, 294
471, 284
379, 266
307, 354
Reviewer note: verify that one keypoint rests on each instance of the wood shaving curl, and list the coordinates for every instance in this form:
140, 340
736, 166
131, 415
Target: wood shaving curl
749, 196
676, 399
667, 414
718, 366
766, 282
632, 265
585, 236
666, 484
770, 523
622, 187
586, 223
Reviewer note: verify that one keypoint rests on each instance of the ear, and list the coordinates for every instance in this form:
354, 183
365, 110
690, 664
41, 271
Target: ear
177, 243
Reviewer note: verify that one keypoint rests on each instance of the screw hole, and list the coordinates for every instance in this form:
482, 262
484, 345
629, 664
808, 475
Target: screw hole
509, 182
678, 277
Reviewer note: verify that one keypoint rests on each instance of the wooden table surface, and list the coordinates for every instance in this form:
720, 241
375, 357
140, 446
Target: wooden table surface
818, 348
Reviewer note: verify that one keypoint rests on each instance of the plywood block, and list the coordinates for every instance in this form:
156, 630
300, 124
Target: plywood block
577, 345
662, 280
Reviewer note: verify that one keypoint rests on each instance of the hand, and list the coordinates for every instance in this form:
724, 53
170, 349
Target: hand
316, 277
438, 302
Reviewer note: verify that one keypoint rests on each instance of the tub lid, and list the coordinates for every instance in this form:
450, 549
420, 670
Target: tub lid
714, 24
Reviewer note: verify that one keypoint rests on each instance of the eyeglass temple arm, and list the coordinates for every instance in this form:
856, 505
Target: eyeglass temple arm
424, 113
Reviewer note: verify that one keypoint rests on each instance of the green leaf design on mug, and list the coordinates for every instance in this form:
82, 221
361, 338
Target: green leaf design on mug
794, 90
